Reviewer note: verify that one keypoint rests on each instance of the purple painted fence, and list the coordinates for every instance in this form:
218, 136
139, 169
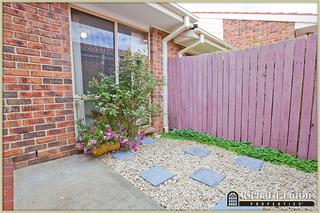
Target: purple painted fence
265, 95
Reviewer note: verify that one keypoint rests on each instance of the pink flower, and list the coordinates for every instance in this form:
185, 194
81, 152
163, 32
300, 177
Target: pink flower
109, 129
94, 142
133, 147
91, 130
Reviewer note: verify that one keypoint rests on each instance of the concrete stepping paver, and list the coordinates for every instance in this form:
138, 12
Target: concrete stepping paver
122, 155
222, 205
198, 151
148, 141
250, 163
207, 176
156, 175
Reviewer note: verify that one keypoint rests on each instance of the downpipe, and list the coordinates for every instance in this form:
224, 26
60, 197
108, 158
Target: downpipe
186, 25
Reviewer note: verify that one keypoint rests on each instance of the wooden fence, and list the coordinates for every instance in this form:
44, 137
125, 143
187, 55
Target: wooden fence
264, 95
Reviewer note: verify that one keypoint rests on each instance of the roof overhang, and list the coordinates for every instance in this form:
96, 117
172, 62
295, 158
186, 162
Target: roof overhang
142, 15
163, 16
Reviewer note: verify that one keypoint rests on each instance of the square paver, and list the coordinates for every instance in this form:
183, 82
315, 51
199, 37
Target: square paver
250, 163
122, 155
156, 175
198, 151
222, 205
148, 141
207, 176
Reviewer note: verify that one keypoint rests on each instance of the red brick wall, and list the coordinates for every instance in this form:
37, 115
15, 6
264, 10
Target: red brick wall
7, 195
156, 37
250, 33
38, 115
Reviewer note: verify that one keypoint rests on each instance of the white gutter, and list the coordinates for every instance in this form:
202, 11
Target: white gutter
200, 41
215, 45
219, 42
186, 25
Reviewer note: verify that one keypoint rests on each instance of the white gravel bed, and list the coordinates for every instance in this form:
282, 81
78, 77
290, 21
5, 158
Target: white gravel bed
183, 193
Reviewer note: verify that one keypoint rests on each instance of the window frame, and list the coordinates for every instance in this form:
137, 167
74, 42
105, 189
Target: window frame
77, 98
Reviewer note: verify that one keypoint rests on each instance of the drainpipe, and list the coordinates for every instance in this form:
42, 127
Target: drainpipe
186, 25
200, 41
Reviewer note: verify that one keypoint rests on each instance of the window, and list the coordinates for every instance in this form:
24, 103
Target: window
95, 50
232, 199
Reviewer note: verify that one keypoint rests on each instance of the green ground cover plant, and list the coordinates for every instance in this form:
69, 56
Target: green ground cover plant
244, 148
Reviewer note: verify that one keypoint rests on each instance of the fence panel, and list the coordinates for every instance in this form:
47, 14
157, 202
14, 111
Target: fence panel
265, 95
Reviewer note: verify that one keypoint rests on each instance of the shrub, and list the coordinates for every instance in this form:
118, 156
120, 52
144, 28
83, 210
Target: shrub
125, 105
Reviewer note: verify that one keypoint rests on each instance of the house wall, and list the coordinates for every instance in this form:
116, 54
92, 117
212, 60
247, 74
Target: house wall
38, 111
38, 114
156, 37
251, 33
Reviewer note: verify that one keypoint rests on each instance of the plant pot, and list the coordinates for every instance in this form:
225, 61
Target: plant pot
104, 148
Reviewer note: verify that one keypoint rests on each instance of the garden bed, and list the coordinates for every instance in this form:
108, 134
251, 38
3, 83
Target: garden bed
183, 193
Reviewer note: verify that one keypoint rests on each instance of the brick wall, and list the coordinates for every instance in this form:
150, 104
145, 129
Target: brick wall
250, 33
7, 182
38, 115
156, 37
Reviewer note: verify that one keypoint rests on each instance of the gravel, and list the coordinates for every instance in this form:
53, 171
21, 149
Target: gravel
183, 193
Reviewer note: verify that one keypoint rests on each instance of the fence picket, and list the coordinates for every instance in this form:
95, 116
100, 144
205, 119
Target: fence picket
183, 93
170, 89
226, 71
232, 95
238, 95
312, 152
268, 96
252, 94
277, 92
286, 95
194, 93
260, 96
220, 95
306, 108
296, 96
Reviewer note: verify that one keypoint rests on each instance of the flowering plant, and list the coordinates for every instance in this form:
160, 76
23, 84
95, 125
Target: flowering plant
92, 136
126, 103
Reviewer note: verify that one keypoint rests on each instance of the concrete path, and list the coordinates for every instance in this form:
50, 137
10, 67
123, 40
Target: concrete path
76, 182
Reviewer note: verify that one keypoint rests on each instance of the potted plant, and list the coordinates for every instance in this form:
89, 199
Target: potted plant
98, 141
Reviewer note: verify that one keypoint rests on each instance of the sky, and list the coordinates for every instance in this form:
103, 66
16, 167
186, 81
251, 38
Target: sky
252, 7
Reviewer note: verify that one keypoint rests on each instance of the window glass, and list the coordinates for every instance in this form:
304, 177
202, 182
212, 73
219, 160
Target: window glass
93, 52
131, 40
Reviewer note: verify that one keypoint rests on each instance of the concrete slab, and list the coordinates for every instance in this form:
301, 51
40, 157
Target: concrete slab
156, 175
148, 141
207, 176
248, 162
77, 182
122, 155
198, 151
222, 205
